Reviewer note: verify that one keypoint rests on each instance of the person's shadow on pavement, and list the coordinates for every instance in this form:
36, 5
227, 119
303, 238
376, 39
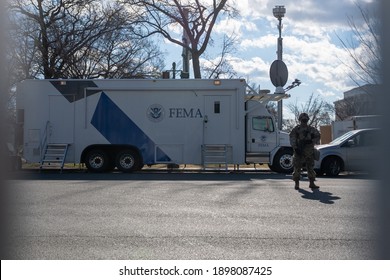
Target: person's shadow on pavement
317, 194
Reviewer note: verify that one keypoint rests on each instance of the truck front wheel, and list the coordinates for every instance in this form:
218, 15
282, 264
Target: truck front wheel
97, 161
127, 161
283, 161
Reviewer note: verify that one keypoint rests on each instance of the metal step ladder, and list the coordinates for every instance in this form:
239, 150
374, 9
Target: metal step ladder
54, 156
215, 156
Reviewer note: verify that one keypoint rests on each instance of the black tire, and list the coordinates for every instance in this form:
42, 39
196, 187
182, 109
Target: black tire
332, 166
128, 161
271, 167
283, 161
97, 161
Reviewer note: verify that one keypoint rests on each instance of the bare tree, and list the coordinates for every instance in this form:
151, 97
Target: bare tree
220, 67
75, 38
319, 111
58, 29
197, 19
364, 48
118, 55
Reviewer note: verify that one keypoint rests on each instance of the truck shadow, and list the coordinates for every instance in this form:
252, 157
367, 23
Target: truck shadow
152, 175
316, 194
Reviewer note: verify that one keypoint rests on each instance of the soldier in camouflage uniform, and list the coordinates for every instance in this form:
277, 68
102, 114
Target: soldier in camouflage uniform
303, 138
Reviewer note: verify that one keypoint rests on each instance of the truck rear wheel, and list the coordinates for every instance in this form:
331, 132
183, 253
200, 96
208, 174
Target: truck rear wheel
128, 161
283, 161
97, 161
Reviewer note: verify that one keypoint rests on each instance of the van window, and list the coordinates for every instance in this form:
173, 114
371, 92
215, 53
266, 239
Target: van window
367, 138
263, 124
364, 138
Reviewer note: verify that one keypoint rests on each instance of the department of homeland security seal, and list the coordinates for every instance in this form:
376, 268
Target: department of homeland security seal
155, 113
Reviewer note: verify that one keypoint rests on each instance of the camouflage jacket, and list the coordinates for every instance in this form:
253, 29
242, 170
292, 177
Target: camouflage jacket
304, 136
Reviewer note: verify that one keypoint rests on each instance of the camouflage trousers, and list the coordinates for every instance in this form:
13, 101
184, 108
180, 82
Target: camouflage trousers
304, 159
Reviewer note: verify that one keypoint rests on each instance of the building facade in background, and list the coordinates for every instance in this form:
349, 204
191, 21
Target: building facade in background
358, 101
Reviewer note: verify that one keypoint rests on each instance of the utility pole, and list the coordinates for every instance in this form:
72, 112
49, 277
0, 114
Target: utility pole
185, 74
279, 12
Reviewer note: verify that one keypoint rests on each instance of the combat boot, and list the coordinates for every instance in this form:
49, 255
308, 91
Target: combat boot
296, 184
312, 185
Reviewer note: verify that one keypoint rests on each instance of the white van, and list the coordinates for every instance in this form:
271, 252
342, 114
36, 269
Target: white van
353, 151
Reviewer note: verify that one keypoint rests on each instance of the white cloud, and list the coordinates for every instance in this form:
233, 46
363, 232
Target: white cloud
252, 8
236, 26
321, 61
327, 93
261, 42
250, 66
311, 49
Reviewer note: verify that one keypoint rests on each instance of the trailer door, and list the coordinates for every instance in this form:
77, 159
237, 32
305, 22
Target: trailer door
217, 120
61, 117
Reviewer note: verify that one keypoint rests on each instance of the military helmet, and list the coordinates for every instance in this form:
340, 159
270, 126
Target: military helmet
303, 116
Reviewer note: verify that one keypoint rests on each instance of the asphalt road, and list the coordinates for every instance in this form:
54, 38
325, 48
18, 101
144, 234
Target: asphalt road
152, 215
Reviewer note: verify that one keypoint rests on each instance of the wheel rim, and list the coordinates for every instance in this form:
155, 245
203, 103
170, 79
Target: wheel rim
96, 161
334, 167
126, 161
286, 161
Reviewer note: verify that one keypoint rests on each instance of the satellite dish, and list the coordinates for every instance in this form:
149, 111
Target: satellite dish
278, 73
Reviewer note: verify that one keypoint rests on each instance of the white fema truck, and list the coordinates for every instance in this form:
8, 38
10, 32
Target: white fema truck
126, 124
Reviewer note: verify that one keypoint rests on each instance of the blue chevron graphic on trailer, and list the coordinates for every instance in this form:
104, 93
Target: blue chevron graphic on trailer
118, 128
74, 90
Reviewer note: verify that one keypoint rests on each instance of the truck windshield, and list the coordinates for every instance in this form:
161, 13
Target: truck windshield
263, 124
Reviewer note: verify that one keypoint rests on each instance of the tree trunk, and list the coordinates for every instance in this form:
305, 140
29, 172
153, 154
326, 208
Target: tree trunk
196, 65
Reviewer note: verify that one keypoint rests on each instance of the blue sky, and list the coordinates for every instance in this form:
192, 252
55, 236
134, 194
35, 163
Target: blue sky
311, 49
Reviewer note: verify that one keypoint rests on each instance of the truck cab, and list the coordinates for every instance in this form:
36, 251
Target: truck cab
264, 142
